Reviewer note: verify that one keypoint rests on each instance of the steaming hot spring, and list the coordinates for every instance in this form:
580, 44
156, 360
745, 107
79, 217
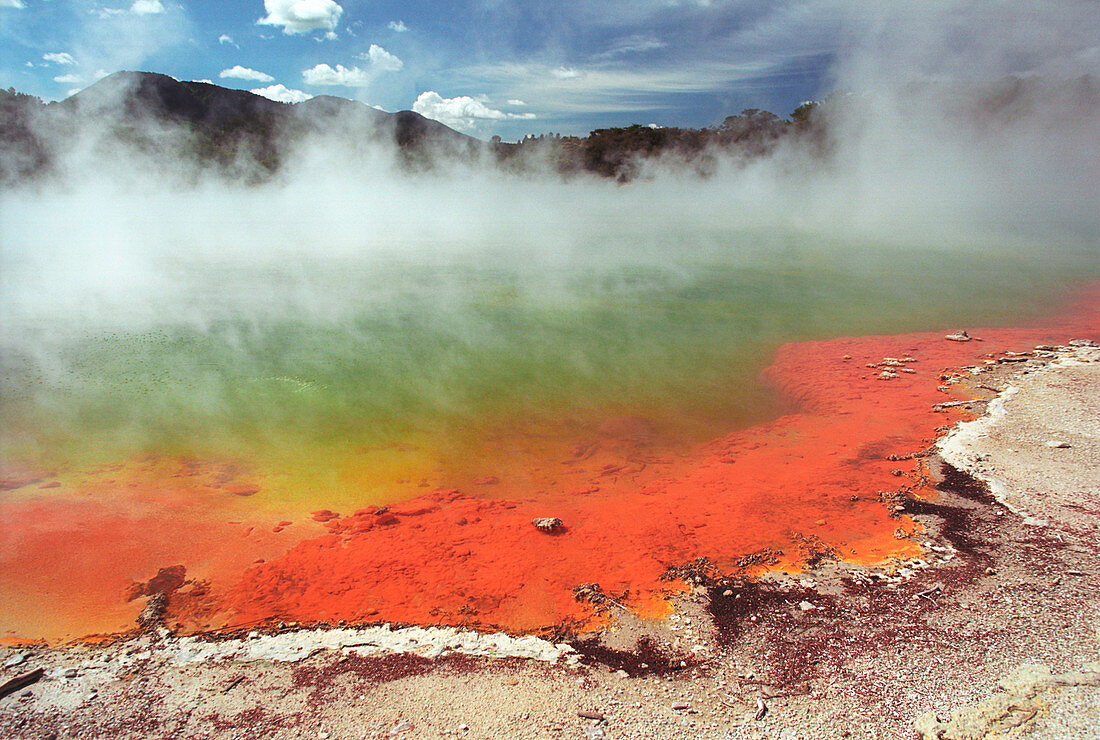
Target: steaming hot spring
327, 398
197, 404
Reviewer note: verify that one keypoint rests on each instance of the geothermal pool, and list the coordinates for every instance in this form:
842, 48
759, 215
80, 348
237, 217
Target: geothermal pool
366, 435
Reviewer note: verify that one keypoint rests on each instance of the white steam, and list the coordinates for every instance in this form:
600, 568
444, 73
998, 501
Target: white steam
927, 147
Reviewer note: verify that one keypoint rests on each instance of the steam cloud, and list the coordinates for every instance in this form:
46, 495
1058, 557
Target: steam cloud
928, 146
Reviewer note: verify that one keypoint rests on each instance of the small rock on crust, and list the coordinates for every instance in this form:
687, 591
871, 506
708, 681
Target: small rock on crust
16, 659
1058, 444
959, 336
547, 523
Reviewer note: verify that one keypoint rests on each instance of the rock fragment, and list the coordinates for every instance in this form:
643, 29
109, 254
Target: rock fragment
16, 660
959, 336
547, 523
21, 681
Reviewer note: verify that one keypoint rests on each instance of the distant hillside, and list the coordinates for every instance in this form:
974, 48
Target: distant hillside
246, 137
241, 133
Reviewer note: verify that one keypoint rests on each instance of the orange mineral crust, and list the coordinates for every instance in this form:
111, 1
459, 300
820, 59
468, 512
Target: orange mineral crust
79, 553
806, 482
82, 551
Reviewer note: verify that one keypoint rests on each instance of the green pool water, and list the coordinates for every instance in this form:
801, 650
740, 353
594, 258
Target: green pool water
295, 361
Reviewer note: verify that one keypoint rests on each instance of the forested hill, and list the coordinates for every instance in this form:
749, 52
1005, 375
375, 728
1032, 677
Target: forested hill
234, 132
242, 136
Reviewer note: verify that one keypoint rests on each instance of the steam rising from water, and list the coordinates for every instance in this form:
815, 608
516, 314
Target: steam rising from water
353, 300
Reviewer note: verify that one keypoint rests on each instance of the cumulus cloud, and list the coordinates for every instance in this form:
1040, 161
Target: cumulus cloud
302, 16
69, 79
382, 59
462, 112
18, 4
398, 26
147, 7
238, 72
281, 93
323, 74
514, 101
378, 61
59, 57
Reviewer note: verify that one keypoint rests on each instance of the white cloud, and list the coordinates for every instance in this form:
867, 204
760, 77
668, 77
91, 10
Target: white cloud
323, 74
463, 112
601, 90
379, 60
227, 39
382, 59
282, 93
205, 81
69, 79
398, 26
302, 16
238, 72
636, 44
139, 7
18, 4
146, 7
59, 57
514, 101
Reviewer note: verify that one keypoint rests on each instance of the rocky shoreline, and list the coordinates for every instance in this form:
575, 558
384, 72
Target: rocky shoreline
992, 632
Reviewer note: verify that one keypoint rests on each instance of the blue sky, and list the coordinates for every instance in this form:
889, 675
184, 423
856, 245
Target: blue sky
512, 67
484, 66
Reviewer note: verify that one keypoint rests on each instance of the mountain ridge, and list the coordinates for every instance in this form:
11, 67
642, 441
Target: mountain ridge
247, 137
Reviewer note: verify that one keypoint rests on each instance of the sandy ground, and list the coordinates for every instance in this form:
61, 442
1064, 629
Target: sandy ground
995, 633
